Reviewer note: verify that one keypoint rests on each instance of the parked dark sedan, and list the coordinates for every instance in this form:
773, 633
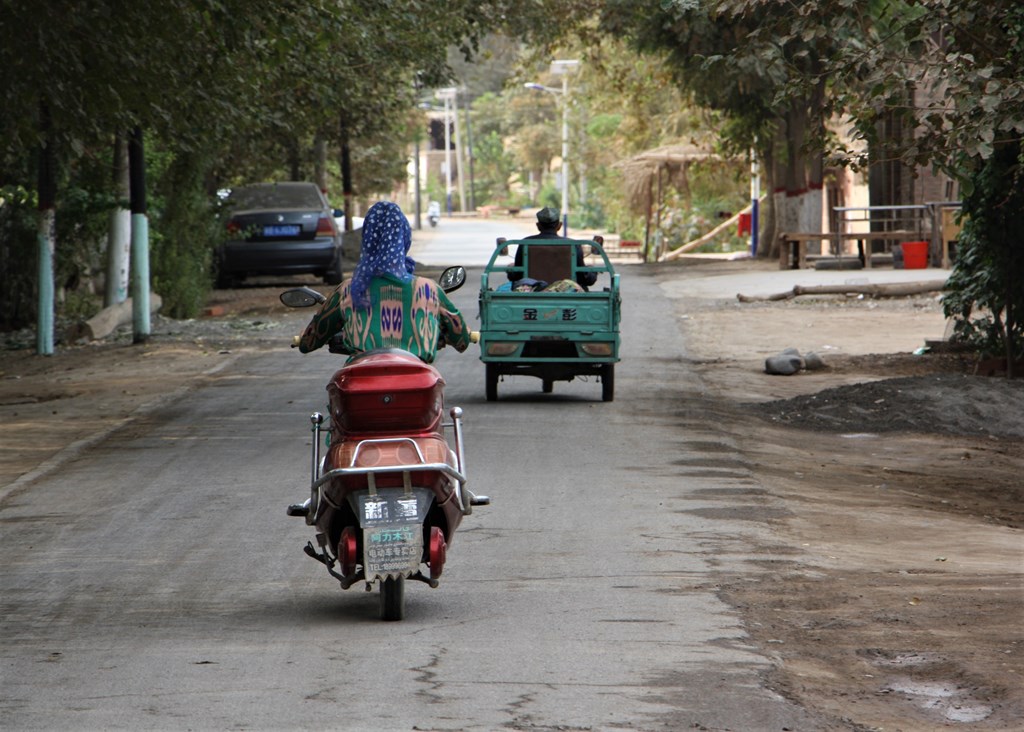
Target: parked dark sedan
279, 229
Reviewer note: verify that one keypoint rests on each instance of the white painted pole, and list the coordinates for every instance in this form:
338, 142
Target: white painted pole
755, 199
119, 236
565, 155
447, 157
140, 238
44, 319
458, 154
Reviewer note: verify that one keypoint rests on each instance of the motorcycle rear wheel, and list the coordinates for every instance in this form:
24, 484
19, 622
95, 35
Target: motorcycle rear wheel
392, 598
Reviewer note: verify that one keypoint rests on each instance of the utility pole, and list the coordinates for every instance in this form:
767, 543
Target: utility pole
119, 238
47, 186
140, 237
458, 154
448, 96
469, 153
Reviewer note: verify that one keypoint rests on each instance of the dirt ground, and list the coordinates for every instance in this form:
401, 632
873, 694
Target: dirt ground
890, 592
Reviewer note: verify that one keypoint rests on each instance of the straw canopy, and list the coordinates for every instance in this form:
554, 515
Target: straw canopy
645, 175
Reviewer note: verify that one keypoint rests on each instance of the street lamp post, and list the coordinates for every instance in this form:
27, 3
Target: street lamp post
562, 67
447, 95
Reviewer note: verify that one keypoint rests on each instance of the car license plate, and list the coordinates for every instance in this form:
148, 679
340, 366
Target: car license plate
285, 230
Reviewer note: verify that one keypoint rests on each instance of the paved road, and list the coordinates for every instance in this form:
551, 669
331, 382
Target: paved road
156, 583
466, 241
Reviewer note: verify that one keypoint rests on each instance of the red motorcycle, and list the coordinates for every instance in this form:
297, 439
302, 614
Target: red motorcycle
389, 493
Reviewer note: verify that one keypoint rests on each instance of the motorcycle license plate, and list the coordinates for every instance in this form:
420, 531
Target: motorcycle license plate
392, 549
284, 230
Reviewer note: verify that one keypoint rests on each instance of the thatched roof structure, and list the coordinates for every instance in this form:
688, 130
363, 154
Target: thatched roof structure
645, 175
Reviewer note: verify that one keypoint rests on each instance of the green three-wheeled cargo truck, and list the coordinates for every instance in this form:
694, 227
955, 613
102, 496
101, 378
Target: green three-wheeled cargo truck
554, 335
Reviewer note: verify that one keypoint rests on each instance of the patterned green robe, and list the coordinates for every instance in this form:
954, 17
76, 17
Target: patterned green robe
412, 316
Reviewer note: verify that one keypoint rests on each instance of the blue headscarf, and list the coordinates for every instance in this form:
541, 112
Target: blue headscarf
386, 241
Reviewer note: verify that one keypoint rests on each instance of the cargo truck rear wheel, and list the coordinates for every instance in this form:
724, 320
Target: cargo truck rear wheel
491, 378
608, 383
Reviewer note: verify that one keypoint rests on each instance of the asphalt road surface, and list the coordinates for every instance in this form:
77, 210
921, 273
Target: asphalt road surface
466, 241
155, 582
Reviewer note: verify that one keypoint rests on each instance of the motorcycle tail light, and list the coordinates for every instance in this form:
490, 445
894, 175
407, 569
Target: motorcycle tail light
501, 349
597, 349
438, 552
348, 552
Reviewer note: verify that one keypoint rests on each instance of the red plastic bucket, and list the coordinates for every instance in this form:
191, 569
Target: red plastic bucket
915, 254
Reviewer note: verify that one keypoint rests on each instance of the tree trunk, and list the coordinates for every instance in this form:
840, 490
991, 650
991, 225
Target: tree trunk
346, 174
140, 237
320, 162
47, 191
799, 204
891, 289
294, 160
1011, 324
768, 224
787, 207
119, 236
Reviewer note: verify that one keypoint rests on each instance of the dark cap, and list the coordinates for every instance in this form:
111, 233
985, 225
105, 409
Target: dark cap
548, 215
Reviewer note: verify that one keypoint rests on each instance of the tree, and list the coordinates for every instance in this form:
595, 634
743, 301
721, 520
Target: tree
494, 165
737, 57
256, 79
184, 72
987, 284
953, 72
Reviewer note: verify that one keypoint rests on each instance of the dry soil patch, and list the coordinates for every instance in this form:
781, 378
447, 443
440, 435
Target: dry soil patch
891, 592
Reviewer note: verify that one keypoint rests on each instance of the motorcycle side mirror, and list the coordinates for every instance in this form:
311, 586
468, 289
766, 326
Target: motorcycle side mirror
504, 250
302, 297
452, 279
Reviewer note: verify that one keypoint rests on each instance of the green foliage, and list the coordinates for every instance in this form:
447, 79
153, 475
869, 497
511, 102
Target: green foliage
255, 80
183, 237
81, 221
493, 165
18, 245
987, 284
549, 195
590, 214
493, 168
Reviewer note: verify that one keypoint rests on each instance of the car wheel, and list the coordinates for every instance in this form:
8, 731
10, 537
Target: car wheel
225, 281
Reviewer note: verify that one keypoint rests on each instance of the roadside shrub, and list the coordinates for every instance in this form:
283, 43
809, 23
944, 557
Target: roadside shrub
183, 237
986, 298
18, 244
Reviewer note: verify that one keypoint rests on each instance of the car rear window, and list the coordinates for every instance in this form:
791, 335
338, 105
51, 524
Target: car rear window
276, 196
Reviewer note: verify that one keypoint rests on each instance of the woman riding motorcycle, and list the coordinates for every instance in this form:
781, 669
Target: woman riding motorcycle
384, 305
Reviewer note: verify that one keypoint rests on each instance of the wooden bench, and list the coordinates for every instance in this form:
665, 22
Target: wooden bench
793, 248
793, 245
